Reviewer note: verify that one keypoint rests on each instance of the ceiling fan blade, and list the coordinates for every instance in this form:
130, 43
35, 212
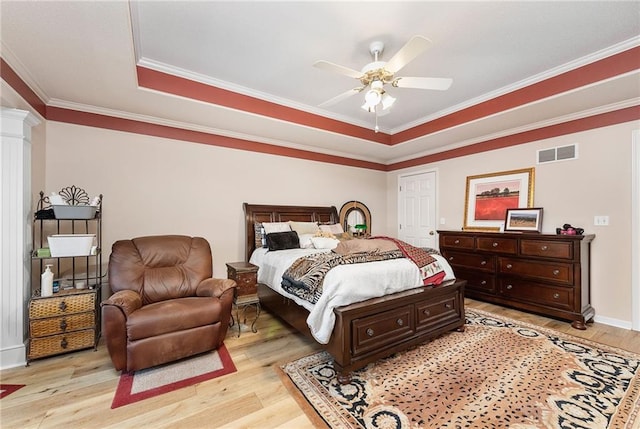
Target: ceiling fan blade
340, 97
331, 67
414, 47
435, 83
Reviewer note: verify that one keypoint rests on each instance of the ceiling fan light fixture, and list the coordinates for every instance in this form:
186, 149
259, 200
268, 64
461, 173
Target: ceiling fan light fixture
372, 97
387, 101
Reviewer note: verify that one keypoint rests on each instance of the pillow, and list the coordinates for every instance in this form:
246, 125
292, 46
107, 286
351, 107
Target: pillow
305, 241
283, 240
270, 227
304, 227
334, 228
365, 245
324, 242
259, 235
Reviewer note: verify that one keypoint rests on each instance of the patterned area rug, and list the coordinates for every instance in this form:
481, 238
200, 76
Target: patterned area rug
499, 373
155, 381
8, 389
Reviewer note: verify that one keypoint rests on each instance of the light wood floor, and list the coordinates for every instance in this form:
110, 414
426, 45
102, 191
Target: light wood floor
75, 390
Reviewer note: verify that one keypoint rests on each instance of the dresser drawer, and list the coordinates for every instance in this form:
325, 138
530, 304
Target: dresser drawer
373, 332
471, 260
60, 325
58, 306
40, 347
478, 280
499, 245
554, 271
547, 295
432, 314
546, 249
458, 241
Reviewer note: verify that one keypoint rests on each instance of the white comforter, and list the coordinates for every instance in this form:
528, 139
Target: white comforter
343, 285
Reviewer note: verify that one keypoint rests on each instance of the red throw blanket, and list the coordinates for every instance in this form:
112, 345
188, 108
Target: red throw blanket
431, 271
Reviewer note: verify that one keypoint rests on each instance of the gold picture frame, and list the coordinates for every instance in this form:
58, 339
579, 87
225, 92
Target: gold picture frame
488, 196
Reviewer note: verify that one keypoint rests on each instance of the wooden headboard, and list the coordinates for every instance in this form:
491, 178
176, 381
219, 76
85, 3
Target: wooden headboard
269, 213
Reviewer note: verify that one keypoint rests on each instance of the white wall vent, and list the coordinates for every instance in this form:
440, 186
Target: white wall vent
560, 153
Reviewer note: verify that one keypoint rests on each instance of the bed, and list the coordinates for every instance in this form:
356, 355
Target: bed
364, 331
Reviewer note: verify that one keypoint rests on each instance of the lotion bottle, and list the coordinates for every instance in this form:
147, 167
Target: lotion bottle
46, 285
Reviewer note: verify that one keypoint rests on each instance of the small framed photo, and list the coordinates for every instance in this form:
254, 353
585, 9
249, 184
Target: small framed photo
524, 220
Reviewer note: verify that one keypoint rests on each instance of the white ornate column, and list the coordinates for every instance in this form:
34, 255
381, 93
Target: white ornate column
15, 233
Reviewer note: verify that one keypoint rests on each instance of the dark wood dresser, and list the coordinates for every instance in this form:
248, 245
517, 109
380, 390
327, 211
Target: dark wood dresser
542, 273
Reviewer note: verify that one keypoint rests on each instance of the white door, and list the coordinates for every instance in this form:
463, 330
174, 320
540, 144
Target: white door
417, 209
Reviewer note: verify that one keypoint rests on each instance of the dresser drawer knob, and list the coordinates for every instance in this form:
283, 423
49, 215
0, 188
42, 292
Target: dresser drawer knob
483, 263
556, 295
495, 244
400, 322
426, 312
483, 282
509, 266
509, 287
556, 272
370, 332
456, 242
63, 325
451, 258
64, 343
544, 248
62, 306
448, 305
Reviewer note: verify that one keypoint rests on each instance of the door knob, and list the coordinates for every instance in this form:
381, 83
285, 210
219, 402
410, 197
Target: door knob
431, 233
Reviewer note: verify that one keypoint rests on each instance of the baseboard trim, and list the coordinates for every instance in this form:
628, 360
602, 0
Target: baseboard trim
613, 322
12, 357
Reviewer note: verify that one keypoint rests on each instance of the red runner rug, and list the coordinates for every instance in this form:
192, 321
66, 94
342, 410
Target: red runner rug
7, 389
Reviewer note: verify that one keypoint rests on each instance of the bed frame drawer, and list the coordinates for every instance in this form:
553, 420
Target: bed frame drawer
373, 332
430, 314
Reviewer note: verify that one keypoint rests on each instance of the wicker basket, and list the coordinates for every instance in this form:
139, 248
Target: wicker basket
60, 325
56, 344
59, 306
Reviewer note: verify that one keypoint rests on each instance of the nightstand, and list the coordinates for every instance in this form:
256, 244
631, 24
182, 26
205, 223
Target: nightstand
245, 275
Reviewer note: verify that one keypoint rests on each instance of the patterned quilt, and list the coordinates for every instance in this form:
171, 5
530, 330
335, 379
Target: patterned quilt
304, 278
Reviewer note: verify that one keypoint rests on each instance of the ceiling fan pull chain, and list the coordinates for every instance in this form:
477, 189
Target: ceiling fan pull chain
376, 129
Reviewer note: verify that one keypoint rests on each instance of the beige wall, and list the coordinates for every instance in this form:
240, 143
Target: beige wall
597, 183
161, 186
155, 186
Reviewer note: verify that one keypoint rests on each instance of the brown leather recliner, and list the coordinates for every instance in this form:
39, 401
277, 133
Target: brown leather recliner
165, 305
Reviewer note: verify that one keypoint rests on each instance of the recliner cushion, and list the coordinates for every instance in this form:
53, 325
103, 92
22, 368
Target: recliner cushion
172, 316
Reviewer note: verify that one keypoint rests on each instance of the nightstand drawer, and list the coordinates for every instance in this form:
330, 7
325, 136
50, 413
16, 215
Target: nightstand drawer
245, 275
60, 325
58, 306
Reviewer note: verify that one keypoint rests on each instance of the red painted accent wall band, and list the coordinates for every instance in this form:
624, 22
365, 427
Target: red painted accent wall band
15, 82
597, 121
163, 131
614, 65
170, 84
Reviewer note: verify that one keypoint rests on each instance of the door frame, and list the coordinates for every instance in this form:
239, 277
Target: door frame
635, 230
437, 197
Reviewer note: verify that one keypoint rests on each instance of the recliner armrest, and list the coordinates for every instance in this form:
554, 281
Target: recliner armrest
127, 300
214, 287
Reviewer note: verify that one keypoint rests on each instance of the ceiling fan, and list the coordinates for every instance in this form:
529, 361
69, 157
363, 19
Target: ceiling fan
377, 74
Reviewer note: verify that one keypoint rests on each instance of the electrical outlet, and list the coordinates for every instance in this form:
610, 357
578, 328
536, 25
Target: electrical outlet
601, 220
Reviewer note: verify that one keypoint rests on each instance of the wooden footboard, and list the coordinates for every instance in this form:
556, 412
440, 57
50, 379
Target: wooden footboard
367, 331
